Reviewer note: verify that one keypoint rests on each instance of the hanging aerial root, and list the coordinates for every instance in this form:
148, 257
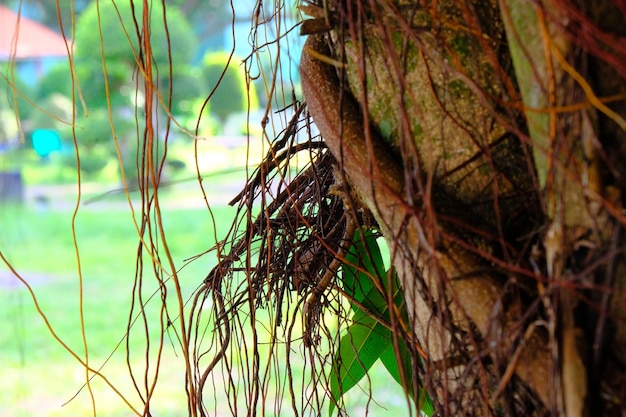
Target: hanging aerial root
299, 238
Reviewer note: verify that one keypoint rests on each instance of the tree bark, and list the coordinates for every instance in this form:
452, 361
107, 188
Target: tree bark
462, 129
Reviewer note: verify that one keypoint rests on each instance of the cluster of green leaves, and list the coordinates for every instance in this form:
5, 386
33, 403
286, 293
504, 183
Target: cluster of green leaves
367, 284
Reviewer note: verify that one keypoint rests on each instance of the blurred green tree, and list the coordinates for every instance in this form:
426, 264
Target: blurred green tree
233, 93
107, 51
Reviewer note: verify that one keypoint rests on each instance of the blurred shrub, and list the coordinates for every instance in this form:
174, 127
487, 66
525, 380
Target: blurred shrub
233, 94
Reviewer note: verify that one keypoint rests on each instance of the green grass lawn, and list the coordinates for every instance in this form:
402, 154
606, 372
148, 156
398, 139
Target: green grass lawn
39, 376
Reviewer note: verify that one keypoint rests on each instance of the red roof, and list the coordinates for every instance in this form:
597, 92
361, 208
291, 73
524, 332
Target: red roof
33, 39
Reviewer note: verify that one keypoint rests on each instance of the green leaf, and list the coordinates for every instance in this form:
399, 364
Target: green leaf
359, 349
366, 339
390, 360
425, 404
365, 255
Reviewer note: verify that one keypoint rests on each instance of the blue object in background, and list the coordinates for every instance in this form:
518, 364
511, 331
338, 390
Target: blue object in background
46, 141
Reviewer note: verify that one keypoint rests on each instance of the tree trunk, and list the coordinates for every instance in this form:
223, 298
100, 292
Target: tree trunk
487, 139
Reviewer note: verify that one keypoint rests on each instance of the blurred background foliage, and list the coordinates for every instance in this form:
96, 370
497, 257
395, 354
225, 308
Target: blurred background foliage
75, 104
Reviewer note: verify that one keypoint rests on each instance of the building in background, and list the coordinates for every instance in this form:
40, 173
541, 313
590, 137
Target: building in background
31, 46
